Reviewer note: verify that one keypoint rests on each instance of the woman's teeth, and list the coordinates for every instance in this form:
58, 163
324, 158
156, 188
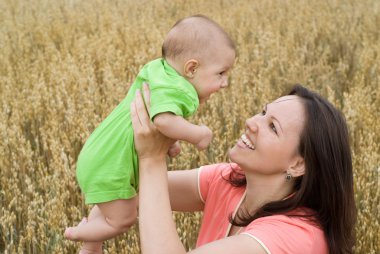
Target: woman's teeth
247, 142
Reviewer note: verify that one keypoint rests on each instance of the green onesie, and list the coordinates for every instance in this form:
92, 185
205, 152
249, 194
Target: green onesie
107, 167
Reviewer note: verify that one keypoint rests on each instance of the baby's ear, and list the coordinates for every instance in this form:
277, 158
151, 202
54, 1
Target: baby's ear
190, 68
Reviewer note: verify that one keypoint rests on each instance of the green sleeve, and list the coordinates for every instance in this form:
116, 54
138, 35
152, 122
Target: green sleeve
172, 100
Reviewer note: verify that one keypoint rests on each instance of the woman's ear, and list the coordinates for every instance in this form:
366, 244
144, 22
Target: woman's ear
298, 167
190, 68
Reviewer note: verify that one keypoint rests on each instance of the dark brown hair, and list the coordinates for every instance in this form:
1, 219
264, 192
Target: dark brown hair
326, 188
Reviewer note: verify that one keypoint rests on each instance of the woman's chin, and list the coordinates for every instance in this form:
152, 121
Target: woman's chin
231, 154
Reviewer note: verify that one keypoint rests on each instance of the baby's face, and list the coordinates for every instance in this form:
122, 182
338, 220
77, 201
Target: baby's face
212, 74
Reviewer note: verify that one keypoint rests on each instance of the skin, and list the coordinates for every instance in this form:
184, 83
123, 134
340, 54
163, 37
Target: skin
107, 220
162, 191
208, 75
207, 56
113, 218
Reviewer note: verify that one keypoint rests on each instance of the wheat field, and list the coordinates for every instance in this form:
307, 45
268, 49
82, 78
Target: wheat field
65, 64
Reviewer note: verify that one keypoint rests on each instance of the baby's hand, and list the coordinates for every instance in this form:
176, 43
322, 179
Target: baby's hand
206, 138
175, 149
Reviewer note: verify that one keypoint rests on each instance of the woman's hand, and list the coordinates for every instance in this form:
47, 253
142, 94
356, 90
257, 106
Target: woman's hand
149, 142
157, 228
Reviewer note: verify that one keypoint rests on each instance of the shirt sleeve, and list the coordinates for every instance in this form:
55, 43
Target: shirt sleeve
171, 100
206, 177
280, 234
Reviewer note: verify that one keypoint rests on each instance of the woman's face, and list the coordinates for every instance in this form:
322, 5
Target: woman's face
270, 142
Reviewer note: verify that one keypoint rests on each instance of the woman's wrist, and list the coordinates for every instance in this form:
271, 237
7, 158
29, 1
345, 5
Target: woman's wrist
154, 162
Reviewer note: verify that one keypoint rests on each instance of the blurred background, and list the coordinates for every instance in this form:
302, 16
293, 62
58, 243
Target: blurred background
65, 64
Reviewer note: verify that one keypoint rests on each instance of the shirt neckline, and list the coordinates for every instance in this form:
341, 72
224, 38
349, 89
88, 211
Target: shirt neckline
237, 208
234, 214
169, 69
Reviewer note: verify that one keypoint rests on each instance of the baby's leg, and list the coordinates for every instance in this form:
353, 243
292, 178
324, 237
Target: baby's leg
118, 216
92, 247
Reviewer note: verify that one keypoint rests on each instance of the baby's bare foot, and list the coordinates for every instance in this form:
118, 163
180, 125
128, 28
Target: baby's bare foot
70, 233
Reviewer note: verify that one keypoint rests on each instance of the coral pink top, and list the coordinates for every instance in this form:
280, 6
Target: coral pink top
278, 234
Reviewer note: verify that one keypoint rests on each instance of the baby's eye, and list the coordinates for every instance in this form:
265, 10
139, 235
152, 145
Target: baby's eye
273, 128
263, 112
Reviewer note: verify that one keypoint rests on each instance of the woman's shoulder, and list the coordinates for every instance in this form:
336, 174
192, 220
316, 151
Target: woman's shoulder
288, 234
219, 169
213, 180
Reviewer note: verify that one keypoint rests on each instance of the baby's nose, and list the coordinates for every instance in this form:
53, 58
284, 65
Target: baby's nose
224, 83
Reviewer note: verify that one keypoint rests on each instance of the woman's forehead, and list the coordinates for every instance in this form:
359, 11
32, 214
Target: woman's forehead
288, 110
286, 98
286, 103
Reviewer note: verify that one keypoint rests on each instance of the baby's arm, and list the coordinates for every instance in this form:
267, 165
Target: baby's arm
176, 127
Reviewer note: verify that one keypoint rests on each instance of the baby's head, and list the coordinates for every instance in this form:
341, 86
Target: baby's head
202, 52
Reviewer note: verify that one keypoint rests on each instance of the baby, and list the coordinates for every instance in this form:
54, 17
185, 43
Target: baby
197, 55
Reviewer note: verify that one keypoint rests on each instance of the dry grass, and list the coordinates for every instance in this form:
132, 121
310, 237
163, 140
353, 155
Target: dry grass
64, 65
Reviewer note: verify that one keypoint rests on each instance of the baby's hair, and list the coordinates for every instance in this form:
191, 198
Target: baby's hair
194, 36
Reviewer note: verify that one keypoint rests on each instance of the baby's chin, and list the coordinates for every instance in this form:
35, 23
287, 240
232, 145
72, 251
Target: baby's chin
203, 100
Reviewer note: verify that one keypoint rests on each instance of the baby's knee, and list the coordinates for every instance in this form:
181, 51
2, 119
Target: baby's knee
129, 221
120, 214
123, 224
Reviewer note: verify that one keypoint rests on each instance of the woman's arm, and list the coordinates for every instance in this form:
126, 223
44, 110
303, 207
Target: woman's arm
183, 191
242, 244
158, 233
157, 229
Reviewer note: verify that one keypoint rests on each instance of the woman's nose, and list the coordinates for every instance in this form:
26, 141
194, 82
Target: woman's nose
251, 124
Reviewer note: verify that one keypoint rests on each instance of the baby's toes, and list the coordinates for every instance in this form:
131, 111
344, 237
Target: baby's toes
69, 233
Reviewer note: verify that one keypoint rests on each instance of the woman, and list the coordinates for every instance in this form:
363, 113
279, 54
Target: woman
289, 188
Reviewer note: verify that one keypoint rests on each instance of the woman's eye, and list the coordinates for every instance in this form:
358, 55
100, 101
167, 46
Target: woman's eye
273, 128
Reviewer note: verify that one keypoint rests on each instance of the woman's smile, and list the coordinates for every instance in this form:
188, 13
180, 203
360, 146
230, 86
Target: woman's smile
247, 142
244, 142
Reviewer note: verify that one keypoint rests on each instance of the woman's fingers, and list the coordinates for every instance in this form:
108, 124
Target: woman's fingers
141, 110
146, 94
136, 122
149, 142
